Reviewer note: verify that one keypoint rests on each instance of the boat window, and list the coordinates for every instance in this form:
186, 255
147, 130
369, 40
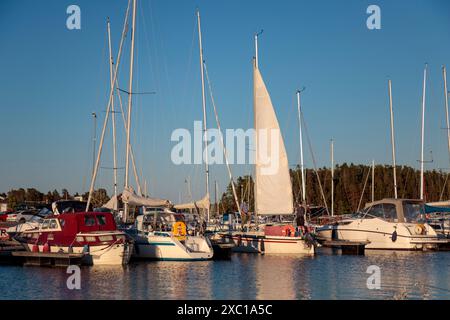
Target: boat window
101, 220
412, 211
45, 224
90, 239
106, 238
35, 235
62, 222
53, 224
376, 211
390, 212
80, 239
89, 221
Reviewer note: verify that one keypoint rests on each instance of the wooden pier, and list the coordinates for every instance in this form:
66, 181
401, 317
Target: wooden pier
347, 247
50, 259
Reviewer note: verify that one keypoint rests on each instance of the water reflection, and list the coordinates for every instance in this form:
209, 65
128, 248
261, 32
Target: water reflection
404, 275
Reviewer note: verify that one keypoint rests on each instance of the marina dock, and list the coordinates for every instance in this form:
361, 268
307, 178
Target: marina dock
49, 258
347, 247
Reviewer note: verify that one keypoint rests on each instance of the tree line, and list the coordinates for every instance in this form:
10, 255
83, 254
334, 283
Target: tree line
352, 188
349, 190
30, 196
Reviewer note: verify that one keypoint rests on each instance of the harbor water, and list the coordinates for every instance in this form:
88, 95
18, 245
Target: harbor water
403, 275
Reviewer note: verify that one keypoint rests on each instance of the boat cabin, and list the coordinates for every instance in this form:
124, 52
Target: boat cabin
395, 210
157, 220
68, 228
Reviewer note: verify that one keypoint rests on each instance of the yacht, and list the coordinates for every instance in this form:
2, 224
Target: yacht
394, 224
92, 233
163, 235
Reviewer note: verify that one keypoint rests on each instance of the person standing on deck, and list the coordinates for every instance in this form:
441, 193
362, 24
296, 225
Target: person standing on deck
300, 217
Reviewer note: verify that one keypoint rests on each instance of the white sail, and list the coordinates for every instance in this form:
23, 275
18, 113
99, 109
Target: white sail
273, 187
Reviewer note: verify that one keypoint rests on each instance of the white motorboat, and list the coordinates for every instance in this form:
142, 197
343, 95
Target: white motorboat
386, 224
162, 235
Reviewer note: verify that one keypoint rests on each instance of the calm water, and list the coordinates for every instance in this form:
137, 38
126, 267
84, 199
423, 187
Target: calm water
325, 276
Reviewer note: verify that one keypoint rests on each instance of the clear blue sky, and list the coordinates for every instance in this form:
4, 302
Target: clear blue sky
51, 79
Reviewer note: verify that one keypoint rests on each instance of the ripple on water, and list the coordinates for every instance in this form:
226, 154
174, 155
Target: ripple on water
410, 275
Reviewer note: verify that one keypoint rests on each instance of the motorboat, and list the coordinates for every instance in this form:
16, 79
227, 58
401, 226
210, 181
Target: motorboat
93, 233
163, 235
394, 224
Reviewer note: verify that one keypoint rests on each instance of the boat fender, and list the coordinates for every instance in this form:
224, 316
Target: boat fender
35, 248
70, 249
394, 236
85, 248
46, 247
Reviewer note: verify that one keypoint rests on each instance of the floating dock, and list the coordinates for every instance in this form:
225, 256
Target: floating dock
347, 247
49, 258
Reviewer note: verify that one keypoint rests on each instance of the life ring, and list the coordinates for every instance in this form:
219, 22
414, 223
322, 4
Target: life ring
419, 229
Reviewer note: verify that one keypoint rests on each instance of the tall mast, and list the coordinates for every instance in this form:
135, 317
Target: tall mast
392, 138
205, 132
255, 65
113, 115
444, 74
423, 131
373, 180
94, 140
105, 122
130, 95
302, 167
332, 177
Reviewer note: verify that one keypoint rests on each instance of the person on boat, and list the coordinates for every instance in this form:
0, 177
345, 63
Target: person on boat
244, 214
300, 218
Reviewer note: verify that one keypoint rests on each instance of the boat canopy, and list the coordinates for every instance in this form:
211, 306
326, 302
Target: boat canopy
201, 204
129, 197
433, 209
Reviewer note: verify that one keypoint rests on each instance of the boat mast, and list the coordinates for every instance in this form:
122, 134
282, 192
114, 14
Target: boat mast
113, 115
392, 138
255, 62
423, 132
332, 177
130, 95
205, 132
444, 74
105, 122
302, 167
373, 180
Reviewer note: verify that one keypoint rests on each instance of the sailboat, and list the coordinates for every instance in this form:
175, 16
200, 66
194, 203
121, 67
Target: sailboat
163, 234
273, 189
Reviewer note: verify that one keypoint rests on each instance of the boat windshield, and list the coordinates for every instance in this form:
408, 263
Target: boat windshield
413, 211
385, 211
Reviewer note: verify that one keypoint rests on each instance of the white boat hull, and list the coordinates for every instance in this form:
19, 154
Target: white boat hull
106, 254
257, 242
379, 234
170, 248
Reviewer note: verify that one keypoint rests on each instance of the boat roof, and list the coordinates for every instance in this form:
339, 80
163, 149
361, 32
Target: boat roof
392, 201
